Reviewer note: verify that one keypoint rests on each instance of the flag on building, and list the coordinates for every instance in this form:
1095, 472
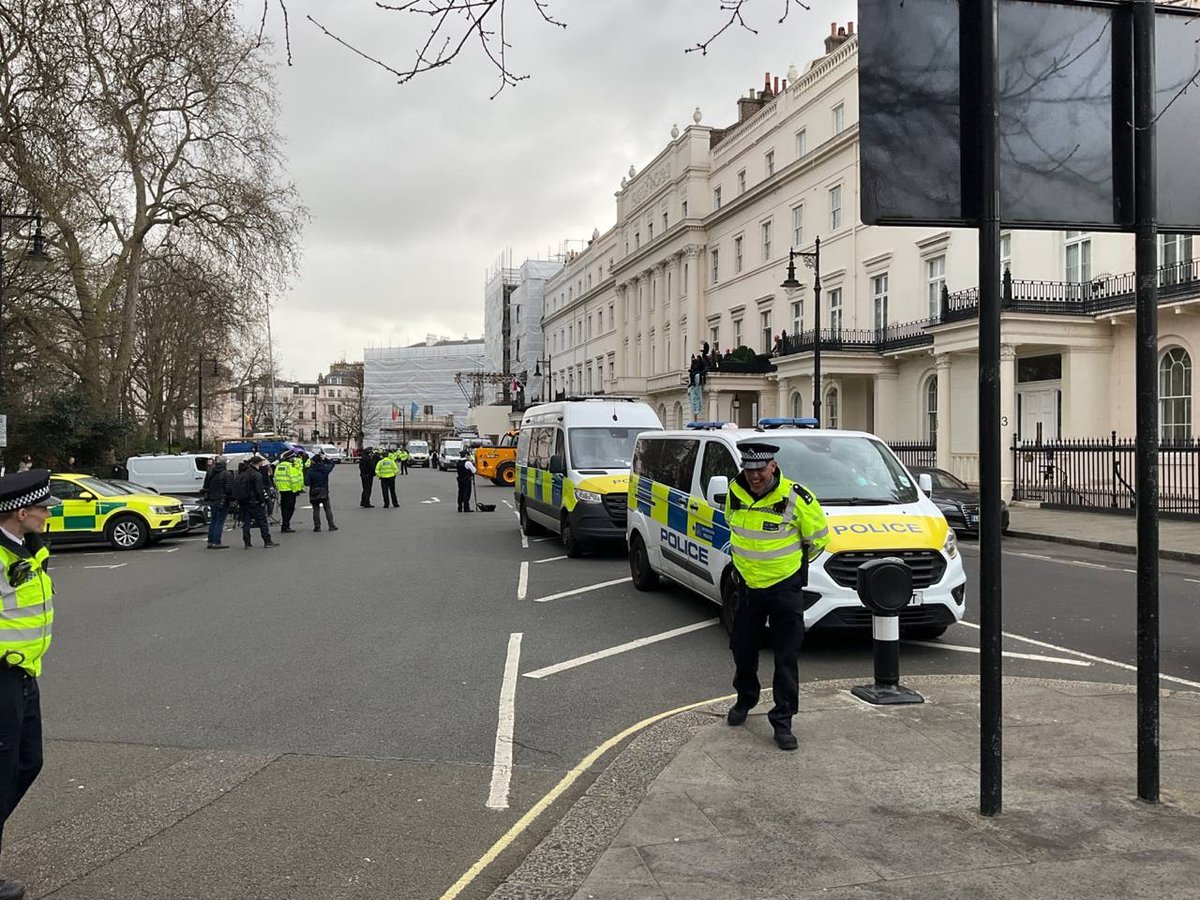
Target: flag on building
412, 410
395, 412
517, 387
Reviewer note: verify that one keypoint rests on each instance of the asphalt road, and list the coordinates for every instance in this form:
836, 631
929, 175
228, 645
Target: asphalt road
321, 720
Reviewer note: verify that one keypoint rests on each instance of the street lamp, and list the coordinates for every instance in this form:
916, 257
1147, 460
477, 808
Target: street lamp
200, 399
549, 382
812, 261
36, 254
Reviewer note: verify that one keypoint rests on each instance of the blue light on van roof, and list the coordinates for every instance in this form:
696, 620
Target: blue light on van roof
705, 426
806, 422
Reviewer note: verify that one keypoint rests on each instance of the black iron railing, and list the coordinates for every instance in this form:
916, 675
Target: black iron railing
1098, 474
915, 453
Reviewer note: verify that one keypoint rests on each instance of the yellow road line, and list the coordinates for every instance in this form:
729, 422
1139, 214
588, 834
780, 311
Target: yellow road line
570, 778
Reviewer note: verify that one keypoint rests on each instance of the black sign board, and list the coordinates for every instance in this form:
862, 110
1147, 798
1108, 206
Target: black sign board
1066, 132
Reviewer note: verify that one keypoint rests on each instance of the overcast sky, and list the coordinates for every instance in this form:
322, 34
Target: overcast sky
416, 190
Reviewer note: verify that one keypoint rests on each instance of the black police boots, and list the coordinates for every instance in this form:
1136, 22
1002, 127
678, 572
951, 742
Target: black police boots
785, 739
11, 890
736, 715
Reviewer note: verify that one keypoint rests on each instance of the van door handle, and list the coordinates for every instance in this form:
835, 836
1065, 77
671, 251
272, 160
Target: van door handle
694, 507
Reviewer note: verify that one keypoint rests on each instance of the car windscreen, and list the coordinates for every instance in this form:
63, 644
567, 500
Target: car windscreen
100, 488
849, 470
602, 448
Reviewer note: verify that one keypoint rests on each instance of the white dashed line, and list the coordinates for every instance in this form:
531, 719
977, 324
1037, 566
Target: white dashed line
548, 559
502, 757
621, 648
523, 581
582, 590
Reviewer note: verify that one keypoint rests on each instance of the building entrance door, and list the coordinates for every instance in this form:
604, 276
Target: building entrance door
1037, 412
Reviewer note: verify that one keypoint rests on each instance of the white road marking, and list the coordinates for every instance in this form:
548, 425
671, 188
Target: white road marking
502, 759
1193, 580
508, 503
582, 590
524, 541
621, 648
1082, 655
523, 581
116, 566
1034, 656
553, 537
161, 550
548, 559
1070, 562
432, 500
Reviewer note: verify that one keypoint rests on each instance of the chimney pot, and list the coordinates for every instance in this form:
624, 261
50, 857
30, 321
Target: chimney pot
777, 84
850, 28
833, 29
785, 84
766, 82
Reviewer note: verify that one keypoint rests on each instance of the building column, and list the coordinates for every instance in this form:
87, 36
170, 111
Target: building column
943, 411
783, 391
1008, 416
622, 329
1085, 391
695, 306
663, 363
646, 287
887, 400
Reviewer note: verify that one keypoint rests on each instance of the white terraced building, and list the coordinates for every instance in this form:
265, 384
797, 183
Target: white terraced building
700, 247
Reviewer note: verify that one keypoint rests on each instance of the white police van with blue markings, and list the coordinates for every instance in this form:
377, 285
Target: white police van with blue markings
676, 524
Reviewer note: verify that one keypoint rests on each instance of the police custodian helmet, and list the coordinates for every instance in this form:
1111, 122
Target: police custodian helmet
23, 489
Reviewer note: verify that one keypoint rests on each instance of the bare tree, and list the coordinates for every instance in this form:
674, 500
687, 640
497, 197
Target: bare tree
359, 414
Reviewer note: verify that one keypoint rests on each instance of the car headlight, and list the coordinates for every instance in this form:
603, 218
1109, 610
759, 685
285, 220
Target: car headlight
161, 510
950, 544
587, 496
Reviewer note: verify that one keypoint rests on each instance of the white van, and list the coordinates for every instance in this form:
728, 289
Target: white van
182, 473
448, 453
418, 453
573, 461
677, 527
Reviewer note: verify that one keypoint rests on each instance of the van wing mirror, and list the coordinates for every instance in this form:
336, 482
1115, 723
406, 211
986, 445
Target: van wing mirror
557, 465
718, 488
925, 483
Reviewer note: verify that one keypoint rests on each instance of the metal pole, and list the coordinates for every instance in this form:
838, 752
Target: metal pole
817, 332
200, 408
1146, 478
990, 690
271, 363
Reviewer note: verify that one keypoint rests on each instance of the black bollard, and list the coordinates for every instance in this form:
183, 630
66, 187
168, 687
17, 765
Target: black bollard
885, 588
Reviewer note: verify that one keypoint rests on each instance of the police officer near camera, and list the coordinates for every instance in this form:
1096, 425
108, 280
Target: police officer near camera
26, 617
776, 528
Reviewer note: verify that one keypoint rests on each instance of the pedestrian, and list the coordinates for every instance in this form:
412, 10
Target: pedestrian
265, 470
776, 527
318, 490
366, 473
25, 628
465, 471
433, 459
385, 471
251, 493
218, 491
402, 455
26, 463
289, 482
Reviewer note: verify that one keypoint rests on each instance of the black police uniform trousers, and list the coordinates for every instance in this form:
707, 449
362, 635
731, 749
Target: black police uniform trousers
464, 493
20, 737
287, 506
783, 604
367, 482
254, 514
389, 491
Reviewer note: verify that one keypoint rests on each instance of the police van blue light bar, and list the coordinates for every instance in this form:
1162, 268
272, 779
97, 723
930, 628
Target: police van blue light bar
806, 422
705, 426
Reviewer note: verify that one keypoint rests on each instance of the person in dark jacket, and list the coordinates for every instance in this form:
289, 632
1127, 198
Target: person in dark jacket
318, 490
251, 493
218, 491
465, 471
366, 473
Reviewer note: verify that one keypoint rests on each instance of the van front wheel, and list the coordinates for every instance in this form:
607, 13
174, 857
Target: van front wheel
644, 577
570, 542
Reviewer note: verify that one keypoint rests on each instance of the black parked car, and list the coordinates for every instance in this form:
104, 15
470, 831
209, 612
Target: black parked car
958, 501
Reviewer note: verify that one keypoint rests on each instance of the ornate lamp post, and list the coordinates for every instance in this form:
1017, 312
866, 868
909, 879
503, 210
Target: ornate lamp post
546, 388
813, 261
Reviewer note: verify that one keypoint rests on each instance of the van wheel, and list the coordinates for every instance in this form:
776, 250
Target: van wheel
570, 543
528, 528
506, 475
644, 577
730, 598
126, 532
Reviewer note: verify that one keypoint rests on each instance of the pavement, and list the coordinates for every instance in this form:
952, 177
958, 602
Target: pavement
883, 802
1178, 539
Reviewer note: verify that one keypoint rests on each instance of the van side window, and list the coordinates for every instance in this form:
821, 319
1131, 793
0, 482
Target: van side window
523, 447
560, 445
678, 463
645, 459
539, 450
201, 463
717, 461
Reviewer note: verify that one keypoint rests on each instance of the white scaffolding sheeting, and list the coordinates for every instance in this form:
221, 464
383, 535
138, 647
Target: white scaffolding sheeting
422, 374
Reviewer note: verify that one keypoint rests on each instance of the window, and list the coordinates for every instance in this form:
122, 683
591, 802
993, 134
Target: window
715, 258
835, 208
612, 369
765, 326
797, 226
741, 182
664, 222
714, 335
716, 199
737, 333
931, 409
879, 290
612, 322
637, 243
718, 463
835, 310
683, 208
770, 163
1174, 258
935, 281
1077, 246
797, 316
832, 413
1005, 254
839, 118
1175, 395
737, 253
801, 144
683, 287
650, 230
797, 405
766, 240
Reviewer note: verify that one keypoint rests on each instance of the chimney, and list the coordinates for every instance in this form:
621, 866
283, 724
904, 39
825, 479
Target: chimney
776, 84
766, 91
749, 105
838, 36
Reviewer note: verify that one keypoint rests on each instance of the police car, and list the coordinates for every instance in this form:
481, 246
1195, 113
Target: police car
676, 522
94, 510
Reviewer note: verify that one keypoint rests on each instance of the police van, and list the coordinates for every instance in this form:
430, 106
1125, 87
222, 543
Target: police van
573, 462
677, 528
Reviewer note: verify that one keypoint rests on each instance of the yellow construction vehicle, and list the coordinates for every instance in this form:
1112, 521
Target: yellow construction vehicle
499, 463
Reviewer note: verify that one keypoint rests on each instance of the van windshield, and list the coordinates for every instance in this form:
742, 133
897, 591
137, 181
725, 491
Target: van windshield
603, 448
418, 447
844, 471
